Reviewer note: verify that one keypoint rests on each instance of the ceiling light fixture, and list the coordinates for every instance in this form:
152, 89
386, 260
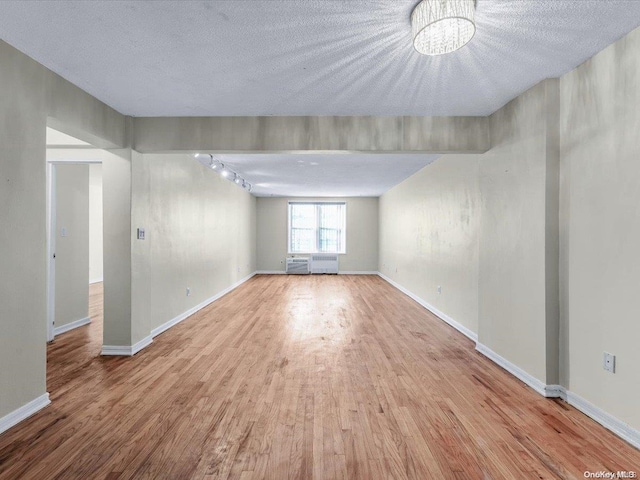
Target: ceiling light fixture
208, 160
442, 26
204, 158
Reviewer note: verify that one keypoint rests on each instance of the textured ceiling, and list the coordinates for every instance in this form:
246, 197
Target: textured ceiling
305, 57
316, 175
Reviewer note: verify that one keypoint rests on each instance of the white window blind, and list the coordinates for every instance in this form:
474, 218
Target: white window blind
317, 227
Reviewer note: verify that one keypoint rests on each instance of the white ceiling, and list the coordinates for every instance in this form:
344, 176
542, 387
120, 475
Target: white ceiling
305, 57
317, 175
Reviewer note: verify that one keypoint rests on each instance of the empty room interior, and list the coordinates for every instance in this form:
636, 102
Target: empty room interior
319, 239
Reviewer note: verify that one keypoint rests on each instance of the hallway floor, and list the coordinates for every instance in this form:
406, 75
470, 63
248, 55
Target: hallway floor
300, 377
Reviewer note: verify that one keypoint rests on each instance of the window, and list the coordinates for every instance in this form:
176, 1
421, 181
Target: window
317, 227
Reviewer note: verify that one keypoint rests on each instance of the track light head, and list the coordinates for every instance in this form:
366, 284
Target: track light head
214, 163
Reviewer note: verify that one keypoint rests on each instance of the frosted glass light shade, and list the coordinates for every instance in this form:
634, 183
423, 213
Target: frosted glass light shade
442, 26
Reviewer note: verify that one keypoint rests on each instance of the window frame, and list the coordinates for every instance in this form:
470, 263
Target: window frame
343, 228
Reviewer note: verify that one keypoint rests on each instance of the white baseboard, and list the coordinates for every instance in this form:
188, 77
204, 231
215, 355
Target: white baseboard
174, 321
24, 412
550, 391
533, 382
446, 318
127, 350
555, 391
145, 342
618, 427
357, 272
348, 272
71, 326
95, 280
116, 350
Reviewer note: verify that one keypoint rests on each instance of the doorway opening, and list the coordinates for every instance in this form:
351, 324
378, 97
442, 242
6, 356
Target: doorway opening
75, 238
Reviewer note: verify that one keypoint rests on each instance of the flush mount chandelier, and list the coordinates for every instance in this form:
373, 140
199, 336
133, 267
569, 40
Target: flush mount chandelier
442, 26
213, 163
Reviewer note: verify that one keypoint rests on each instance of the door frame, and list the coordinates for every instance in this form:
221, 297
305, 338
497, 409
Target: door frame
51, 238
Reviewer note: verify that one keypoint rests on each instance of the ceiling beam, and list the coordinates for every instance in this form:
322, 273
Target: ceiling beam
312, 134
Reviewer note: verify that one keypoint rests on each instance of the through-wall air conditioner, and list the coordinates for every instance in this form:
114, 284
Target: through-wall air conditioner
324, 263
298, 265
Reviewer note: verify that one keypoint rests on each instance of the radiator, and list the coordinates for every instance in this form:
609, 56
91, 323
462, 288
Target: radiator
298, 265
324, 263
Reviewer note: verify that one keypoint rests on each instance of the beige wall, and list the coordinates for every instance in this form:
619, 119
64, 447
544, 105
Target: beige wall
31, 96
117, 237
72, 250
95, 223
362, 233
429, 228
600, 124
200, 234
514, 238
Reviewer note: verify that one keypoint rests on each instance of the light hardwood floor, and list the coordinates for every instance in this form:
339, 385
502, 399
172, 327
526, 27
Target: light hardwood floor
300, 377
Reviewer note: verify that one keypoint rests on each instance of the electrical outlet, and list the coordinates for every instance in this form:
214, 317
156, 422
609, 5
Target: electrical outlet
141, 234
609, 362
188, 292
439, 289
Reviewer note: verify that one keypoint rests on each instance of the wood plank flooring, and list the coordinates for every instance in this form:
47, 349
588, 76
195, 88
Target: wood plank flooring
300, 377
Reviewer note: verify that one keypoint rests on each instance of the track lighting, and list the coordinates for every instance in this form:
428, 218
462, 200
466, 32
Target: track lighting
208, 160
213, 163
